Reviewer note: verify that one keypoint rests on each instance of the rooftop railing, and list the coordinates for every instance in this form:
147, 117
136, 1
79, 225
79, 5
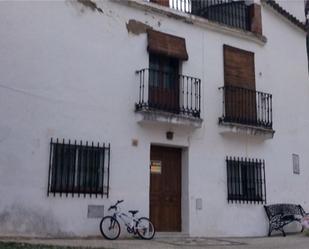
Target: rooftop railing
233, 13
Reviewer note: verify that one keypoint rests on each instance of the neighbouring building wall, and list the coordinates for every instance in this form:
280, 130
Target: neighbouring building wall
67, 70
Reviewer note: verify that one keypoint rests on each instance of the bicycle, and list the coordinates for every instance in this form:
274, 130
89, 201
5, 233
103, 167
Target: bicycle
110, 227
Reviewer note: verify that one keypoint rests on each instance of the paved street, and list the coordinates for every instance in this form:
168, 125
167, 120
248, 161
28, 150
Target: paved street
295, 241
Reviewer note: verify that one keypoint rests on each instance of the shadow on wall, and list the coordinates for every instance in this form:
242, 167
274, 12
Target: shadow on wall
18, 220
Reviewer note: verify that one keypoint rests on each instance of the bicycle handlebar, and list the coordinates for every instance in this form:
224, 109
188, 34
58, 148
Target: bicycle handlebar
115, 206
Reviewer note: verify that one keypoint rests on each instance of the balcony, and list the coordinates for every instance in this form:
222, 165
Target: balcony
246, 110
244, 15
169, 98
232, 13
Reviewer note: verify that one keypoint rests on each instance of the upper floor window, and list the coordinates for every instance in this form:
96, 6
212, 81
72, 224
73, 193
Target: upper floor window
163, 83
242, 103
162, 88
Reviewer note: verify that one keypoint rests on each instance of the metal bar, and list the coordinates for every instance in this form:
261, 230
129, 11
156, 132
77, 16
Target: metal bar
109, 149
228, 178
61, 167
91, 165
263, 163
50, 165
248, 181
265, 109
236, 179
236, 166
199, 106
191, 97
233, 16
262, 108
252, 181
256, 193
260, 179
103, 167
223, 101
233, 183
55, 167
97, 163
268, 108
258, 108
239, 179
67, 163
140, 88
271, 111
85, 169
238, 20
74, 169
143, 86
195, 95
80, 163
182, 91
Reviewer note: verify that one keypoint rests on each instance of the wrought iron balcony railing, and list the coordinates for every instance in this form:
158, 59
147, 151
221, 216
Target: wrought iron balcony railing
233, 13
168, 92
247, 107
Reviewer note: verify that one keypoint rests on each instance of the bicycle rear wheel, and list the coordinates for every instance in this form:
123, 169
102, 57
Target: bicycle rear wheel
110, 228
145, 229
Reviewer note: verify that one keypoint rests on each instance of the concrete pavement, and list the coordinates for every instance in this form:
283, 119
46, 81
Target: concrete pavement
295, 241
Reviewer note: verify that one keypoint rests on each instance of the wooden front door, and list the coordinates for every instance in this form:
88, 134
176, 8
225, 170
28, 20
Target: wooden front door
165, 188
239, 82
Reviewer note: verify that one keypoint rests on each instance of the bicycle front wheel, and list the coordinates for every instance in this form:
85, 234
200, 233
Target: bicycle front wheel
145, 229
110, 228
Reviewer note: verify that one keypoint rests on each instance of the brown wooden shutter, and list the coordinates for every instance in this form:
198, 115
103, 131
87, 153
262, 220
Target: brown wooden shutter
239, 81
168, 45
239, 68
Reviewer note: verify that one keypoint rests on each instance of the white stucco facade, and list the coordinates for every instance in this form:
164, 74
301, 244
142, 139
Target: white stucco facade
68, 71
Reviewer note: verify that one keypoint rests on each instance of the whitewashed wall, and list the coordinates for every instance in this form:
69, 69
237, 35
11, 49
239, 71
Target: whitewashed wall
67, 71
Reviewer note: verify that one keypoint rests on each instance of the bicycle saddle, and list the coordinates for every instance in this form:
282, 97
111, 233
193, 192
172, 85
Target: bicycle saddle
133, 212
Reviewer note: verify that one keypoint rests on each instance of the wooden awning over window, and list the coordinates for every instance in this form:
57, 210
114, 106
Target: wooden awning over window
165, 44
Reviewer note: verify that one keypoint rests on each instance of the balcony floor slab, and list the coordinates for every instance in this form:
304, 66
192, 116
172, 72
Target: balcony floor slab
235, 128
147, 116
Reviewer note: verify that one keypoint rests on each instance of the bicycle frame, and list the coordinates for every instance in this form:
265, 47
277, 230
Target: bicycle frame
129, 222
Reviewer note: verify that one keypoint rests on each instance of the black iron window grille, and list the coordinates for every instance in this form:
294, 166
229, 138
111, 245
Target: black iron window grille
246, 106
233, 13
78, 169
245, 180
169, 92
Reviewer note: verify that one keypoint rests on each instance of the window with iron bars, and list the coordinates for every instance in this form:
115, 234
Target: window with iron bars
246, 180
78, 169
